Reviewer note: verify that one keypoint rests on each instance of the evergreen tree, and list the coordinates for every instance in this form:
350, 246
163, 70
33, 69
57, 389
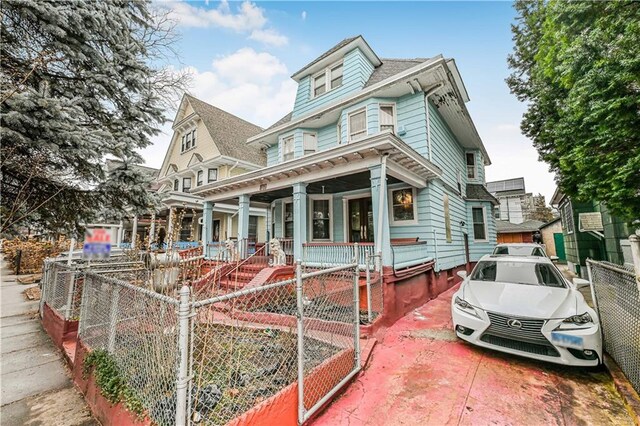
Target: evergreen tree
81, 82
577, 65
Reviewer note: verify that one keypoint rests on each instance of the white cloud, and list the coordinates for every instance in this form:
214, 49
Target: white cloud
269, 37
304, 15
247, 19
253, 85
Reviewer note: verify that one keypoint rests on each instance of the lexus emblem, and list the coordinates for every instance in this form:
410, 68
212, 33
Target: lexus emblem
514, 323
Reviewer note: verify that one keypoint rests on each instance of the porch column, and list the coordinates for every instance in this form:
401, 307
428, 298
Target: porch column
169, 242
243, 224
299, 219
152, 229
207, 226
134, 232
380, 212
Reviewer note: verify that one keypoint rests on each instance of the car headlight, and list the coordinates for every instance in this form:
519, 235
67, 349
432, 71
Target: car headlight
578, 319
465, 306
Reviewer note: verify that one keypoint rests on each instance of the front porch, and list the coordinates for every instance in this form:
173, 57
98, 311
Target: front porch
324, 207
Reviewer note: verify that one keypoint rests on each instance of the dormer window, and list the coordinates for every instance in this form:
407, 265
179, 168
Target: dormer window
328, 79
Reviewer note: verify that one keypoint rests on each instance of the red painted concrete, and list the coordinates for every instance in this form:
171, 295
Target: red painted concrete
107, 413
421, 374
57, 327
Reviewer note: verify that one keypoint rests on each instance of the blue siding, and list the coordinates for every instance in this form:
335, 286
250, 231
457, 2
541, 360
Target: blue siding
447, 153
327, 137
356, 71
412, 115
273, 155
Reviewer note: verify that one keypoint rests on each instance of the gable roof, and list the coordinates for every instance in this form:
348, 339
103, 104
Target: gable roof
478, 192
229, 132
359, 42
551, 222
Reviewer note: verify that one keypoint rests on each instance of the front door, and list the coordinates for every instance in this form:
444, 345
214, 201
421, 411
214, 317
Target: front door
360, 220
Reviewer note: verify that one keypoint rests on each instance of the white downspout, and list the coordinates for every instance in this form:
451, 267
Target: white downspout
382, 193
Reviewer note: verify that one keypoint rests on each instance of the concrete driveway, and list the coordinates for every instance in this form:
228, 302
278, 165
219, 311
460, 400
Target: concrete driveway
422, 374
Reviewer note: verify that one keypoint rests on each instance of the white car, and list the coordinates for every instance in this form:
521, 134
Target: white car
522, 249
523, 306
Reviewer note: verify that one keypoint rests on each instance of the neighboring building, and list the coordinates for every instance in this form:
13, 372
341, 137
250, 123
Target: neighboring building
553, 239
208, 145
604, 244
381, 152
516, 204
517, 232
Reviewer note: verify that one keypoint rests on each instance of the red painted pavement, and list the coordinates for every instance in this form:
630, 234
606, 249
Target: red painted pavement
421, 374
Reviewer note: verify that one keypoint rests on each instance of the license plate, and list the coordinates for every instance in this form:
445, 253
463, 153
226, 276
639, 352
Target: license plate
567, 340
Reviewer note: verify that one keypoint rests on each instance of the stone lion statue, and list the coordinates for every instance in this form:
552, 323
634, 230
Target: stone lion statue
230, 247
279, 257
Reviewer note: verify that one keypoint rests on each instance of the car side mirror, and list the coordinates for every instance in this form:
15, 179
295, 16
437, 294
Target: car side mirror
462, 274
554, 258
579, 283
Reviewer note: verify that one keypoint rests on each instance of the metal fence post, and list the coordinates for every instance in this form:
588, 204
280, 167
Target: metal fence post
368, 273
183, 378
300, 324
356, 307
113, 318
70, 290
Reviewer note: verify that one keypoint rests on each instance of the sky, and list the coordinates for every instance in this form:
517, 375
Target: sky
241, 56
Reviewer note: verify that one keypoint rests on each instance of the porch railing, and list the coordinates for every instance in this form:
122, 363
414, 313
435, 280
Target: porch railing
405, 255
332, 254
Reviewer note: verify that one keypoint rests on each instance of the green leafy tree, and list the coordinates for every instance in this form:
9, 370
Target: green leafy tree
577, 66
81, 81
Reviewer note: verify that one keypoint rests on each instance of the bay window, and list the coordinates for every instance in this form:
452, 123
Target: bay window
310, 142
387, 120
479, 224
176, 185
186, 184
287, 148
199, 179
212, 175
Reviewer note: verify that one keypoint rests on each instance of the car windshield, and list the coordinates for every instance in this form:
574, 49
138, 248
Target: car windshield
518, 250
527, 273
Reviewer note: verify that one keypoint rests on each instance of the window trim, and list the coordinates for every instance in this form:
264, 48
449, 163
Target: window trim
486, 225
394, 222
394, 115
190, 183
310, 200
191, 135
293, 147
366, 123
199, 177
475, 165
327, 79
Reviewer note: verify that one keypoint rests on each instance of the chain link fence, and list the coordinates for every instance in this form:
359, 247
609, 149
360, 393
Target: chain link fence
617, 298
187, 361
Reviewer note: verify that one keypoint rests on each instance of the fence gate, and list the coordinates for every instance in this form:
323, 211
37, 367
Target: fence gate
328, 334
617, 299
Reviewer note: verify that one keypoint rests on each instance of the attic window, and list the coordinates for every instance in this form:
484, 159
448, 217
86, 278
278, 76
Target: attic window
471, 165
328, 79
188, 140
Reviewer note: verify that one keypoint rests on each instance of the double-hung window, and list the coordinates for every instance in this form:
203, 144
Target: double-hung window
187, 143
212, 175
357, 125
471, 165
328, 79
336, 76
193, 138
310, 141
199, 180
186, 184
287, 148
176, 185
403, 206
387, 120
479, 224
182, 148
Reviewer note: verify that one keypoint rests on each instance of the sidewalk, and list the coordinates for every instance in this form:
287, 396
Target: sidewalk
421, 373
36, 388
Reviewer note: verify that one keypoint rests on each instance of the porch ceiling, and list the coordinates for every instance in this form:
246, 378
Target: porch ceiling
344, 166
335, 185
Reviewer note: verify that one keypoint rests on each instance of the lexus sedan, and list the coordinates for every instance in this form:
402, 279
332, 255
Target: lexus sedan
524, 306
522, 249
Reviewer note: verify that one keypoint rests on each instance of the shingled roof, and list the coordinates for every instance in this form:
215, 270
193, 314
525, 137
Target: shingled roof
327, 53
478, 192
391, 67
229, 133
